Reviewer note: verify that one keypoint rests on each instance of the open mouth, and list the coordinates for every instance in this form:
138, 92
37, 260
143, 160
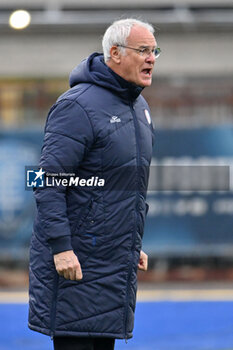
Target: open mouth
147, 72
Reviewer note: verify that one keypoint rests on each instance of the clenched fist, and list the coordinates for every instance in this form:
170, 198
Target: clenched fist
68, 266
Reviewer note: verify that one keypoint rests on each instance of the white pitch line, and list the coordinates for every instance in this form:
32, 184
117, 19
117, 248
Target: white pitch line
13, 297
185, 295
146, 295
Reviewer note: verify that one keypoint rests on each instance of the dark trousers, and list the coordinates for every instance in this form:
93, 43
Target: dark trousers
83, 343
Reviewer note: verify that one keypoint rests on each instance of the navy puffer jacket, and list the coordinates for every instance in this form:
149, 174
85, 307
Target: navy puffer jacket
100, 127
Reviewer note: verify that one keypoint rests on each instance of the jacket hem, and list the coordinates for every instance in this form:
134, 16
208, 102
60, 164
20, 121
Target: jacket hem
39, 329
79, 334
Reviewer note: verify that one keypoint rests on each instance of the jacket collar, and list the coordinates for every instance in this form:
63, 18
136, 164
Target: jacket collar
130, 91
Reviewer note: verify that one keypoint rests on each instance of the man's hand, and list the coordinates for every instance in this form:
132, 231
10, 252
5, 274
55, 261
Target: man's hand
143, 261
68, 266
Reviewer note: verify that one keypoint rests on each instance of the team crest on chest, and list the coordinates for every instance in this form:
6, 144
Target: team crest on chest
115, 119
148, 117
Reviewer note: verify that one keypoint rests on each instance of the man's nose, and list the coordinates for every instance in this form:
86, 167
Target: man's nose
151, 58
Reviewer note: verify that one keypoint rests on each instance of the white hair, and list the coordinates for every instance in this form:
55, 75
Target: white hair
118, 33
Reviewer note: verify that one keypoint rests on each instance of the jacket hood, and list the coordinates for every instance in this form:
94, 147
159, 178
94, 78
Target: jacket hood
93, 70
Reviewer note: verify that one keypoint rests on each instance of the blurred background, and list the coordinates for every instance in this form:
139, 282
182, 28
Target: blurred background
189, 234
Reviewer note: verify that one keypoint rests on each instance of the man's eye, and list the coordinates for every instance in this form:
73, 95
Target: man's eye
142, 50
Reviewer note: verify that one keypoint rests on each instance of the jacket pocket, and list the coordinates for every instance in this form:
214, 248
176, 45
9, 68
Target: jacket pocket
83, 216
84, 240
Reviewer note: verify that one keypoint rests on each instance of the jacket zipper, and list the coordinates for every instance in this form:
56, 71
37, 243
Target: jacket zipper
134, 233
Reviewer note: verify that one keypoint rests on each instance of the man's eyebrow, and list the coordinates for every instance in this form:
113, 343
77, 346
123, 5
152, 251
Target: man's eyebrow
146, 47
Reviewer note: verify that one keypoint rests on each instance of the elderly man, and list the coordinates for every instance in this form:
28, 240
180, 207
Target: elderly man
86, 244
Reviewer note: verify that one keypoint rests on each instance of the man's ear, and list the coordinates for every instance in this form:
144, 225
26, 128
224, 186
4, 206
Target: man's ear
115, 54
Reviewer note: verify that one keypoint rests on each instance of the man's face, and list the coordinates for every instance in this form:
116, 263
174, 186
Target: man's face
133, 67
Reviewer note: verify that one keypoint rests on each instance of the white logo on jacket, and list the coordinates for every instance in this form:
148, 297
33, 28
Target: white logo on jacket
147, 114
115, 119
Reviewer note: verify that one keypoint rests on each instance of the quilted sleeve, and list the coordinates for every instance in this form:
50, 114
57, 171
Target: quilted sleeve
68, 136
